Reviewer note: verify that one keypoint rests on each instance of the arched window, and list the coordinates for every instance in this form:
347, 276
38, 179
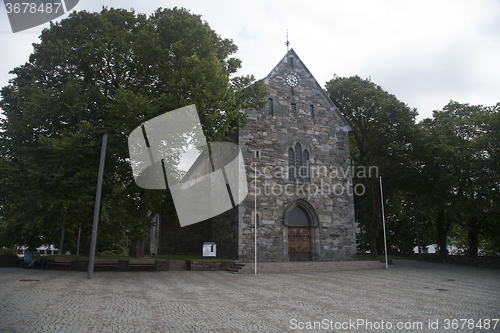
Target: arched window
298, 217
298, 160
291, 164
304, 169
298, 164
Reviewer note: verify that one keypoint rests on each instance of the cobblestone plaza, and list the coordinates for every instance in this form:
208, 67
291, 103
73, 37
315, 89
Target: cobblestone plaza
411, 296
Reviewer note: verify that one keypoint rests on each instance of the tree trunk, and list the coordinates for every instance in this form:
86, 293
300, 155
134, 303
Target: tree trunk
366, 224
442, 232
86, 246
137, 248
375, 222
473, 235
415, 213
373, 247
61, 251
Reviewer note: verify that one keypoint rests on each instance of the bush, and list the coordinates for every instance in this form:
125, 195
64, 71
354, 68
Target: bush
115, 249
7, 252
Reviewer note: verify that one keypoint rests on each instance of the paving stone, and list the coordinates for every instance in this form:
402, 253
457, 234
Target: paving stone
185, 301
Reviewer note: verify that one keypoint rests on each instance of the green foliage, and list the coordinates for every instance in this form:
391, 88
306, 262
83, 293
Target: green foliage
106, 73
469, 151
250, 93
382, 132
441, 173
7, 252
192, 257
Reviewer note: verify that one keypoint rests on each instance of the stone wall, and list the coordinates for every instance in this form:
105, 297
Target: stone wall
83, 265
175, 239
223, 231
265, 140
162, 265
209, 265
9, 261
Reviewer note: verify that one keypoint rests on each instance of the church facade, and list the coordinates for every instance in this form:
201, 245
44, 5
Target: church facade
296, 153
297, 160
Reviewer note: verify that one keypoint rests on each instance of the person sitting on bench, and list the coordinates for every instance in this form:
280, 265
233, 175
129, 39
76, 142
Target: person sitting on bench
36, 258
28, 256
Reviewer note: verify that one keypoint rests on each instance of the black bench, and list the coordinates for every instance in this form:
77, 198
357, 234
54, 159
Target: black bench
106, 263
142, 263
62, 261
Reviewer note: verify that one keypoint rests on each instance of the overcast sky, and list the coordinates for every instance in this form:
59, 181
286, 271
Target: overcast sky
424, 52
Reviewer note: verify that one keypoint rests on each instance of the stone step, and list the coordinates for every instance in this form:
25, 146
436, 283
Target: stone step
236, 264
235, 268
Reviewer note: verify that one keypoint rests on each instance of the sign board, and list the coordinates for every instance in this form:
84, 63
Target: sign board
209, 249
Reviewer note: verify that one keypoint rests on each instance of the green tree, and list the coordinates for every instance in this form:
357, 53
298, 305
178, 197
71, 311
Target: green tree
489, 146
434, 160
106, 73
470, 134
382, 132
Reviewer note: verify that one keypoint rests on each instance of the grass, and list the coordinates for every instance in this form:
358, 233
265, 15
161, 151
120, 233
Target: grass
195, 257
198, 257
192, 257
82, 257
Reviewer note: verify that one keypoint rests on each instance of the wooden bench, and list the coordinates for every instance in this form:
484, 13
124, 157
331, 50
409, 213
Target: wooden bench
42, 263
106, 263
62, 261
142, 263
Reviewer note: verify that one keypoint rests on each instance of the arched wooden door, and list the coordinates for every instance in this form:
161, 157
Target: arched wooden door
299, 235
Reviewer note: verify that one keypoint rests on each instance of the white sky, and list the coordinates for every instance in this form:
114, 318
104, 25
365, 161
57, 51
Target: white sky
424, 52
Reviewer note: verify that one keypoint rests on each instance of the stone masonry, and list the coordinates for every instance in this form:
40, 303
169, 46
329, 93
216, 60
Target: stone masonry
297, 147
299, 121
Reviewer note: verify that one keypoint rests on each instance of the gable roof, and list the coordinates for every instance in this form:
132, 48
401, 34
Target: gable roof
333, 107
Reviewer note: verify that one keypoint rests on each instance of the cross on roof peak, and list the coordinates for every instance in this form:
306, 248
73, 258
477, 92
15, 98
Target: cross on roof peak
287, 42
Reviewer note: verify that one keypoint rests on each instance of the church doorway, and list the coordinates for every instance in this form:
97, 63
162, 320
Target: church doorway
299, 235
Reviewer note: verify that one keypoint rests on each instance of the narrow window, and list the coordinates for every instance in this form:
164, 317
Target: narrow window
298, 159
291, 164
305, 166
293, 106
258, 154
290, 61
311, 107
270, 106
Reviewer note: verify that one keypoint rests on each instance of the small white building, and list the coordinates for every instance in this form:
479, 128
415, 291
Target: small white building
43, 250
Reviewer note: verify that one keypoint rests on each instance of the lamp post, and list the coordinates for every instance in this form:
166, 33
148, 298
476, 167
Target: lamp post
383, 221
97, 206
255, 219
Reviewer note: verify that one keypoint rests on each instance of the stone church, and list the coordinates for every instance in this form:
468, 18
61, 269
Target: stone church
296, 154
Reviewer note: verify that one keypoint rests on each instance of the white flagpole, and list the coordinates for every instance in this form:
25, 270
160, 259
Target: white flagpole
255, 218
383, 220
